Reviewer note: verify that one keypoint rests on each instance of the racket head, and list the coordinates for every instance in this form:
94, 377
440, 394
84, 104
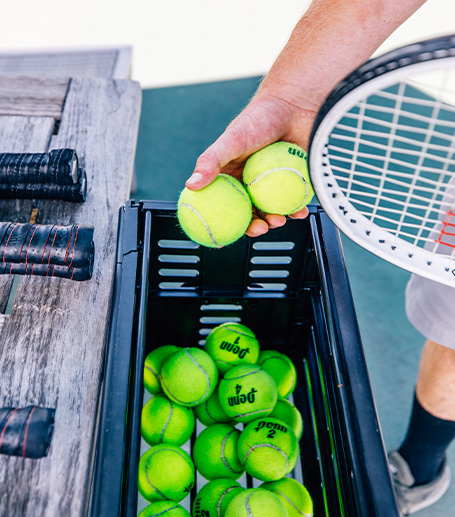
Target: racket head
382, 157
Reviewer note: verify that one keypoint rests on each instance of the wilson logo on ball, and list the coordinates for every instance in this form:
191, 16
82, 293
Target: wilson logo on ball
234, 348
296, 152
242, 398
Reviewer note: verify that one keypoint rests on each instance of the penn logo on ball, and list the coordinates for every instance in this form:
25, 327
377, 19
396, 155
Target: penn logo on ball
247, 392
231, 344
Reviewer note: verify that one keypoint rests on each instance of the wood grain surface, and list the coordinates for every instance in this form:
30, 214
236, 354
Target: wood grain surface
51, 349
30, 96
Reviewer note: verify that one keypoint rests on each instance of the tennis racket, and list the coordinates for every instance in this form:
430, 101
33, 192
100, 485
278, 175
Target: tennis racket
382, 157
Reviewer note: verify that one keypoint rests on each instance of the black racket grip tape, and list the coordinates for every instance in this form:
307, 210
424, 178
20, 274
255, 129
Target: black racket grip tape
47, 250
26, 432
59, 166
76, 192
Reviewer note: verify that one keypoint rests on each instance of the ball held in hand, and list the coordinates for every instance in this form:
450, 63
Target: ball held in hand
277, 179
217, 215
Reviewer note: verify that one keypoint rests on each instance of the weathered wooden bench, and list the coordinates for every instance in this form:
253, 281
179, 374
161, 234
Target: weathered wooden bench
52, 342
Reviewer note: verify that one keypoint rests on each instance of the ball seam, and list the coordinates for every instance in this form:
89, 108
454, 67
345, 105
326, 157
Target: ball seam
171, 409
244, 375
290, 502
223, 457
220, 500
226, 178
251, 449
209, 233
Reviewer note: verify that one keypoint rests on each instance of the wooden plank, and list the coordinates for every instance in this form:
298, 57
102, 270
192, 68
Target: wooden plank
32, 96
108, 62
20, 135
51, 351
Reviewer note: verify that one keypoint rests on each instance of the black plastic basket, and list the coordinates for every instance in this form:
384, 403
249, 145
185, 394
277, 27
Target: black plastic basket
291, 288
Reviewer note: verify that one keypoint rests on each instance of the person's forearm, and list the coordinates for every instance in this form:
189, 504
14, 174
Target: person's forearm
332, 39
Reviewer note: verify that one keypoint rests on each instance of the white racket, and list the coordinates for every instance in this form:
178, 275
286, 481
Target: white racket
382, 157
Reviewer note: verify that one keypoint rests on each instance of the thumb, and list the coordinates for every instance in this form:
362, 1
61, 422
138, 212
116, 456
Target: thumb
207, 169
260, 124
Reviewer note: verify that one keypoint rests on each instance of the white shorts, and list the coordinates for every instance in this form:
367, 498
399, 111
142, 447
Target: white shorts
430, 307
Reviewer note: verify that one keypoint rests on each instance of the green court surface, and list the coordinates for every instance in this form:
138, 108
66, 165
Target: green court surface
177, 124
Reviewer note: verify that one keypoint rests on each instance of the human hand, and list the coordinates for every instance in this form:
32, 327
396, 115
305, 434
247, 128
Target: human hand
264, 121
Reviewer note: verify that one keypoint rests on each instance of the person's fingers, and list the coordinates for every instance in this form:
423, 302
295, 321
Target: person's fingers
274, 220
257, 227
301, 214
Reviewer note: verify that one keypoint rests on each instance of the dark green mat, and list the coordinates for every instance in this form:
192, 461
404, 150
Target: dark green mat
177, 124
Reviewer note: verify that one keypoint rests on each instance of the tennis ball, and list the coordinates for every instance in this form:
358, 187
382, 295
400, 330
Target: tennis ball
281, 369
289, 414
189, 376
231, 344
164, 508
247, 392
256, 502
268, 449
277, 179
166, 472
294, 496
210, 411
215, 452
165, 421
217, 215
152, 367
214, 497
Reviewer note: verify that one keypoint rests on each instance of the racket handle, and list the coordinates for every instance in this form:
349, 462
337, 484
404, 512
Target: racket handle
75, 192
47, 250
60, 166
27, 431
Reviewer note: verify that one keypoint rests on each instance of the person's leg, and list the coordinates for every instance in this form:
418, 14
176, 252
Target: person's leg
435, 387
432, 423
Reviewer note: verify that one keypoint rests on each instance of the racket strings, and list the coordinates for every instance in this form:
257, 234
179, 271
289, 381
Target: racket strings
393, 156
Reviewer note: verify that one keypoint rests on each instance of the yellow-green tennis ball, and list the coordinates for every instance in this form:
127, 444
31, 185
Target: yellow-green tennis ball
165, 421
214, 497
268, 449
152, 367
189, 376
281, 369
164, 509
231, 344
295, 496
210, 411
215, 452
247, 392
256, 502
166, 472
289, 414
217, 215
277, 179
